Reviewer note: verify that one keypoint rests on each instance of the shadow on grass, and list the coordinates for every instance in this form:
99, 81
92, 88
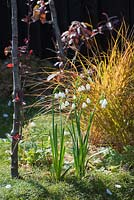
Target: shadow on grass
92, 188
54, 190
39, 191
6, 114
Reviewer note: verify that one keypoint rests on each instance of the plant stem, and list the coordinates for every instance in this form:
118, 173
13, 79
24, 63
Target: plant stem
57, 30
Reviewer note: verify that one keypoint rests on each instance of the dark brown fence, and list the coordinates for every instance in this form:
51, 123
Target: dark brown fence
67, 11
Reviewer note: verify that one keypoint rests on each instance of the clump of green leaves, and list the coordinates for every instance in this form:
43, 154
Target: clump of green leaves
80, 142
57, 147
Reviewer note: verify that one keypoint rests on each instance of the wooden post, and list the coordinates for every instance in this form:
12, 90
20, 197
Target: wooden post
16, 94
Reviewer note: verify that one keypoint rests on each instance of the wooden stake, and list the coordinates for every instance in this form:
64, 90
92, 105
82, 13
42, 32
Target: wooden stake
16, 93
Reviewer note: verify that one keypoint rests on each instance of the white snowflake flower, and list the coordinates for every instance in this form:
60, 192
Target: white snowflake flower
82, 75
62, 106
74, 97
81, 88
73, 106
87, 86
62, 94
66, 91
84, 105
66, 103
88, 101
103, 103
56, 95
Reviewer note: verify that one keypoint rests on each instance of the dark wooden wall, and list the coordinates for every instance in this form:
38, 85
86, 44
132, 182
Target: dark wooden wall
5, 27
67, 11
92, 9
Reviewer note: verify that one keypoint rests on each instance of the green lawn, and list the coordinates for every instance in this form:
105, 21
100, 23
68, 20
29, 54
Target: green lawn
36, 184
